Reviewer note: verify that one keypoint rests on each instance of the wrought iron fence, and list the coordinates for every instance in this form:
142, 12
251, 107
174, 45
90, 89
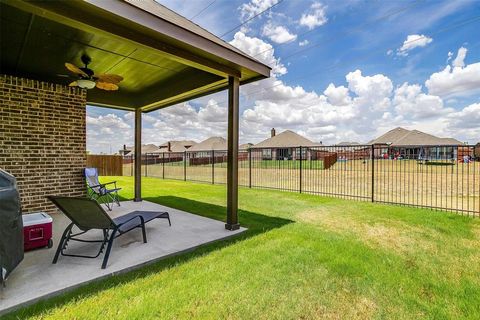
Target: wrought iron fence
437, 177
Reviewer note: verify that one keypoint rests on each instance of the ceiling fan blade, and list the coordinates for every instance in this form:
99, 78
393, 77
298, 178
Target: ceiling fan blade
73, 84
107, 86
112, 78
73, 68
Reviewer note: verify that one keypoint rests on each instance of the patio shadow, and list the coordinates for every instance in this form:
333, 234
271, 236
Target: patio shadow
255, 222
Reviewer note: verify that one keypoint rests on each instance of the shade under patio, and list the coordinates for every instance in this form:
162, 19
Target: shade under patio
164, 58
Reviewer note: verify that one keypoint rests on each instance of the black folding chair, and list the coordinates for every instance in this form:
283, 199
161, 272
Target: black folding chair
87, 214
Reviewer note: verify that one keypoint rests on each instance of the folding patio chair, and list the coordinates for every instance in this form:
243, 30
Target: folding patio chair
99, 191
86, 214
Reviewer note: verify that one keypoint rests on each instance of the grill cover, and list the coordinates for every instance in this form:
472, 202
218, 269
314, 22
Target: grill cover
11, 225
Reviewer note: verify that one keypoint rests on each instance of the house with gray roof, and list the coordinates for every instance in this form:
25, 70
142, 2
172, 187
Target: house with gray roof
415, 144
176, 146
146, 148
284, 146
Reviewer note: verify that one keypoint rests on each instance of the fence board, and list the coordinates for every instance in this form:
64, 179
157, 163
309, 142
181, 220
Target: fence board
107, 165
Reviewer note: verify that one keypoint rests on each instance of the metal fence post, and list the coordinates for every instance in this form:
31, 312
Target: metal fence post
163, 165
213, 167
185, 165
146, 163
300, 167
249, 168
373, 172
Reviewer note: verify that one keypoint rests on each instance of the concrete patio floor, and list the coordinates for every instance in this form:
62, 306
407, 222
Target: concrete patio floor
37, 278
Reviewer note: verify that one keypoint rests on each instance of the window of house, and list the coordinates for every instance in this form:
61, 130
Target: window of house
267, 154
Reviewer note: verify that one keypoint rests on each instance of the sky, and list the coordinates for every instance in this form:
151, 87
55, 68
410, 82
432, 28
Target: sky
342, 71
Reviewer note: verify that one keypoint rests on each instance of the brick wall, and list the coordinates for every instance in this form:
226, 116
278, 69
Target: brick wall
42, 139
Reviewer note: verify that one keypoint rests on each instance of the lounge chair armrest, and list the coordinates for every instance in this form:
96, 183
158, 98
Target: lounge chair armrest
111, 182
96, 186
102, 185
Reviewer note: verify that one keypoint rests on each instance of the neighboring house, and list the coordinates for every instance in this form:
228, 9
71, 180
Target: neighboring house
348, 144
284, 146
146, 148
245, 146
204, 148
176, 146
415, 144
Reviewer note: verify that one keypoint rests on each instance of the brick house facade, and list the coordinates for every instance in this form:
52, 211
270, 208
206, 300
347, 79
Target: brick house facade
42, 139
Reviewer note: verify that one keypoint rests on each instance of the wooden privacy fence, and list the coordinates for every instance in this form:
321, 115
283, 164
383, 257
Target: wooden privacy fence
107, 165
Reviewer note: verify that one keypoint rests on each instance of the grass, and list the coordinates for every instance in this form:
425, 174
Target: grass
303, 257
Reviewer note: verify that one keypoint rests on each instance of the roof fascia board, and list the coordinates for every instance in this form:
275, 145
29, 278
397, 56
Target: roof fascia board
177, 32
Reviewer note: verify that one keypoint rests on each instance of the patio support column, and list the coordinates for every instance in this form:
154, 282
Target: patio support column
138, 155
232, 154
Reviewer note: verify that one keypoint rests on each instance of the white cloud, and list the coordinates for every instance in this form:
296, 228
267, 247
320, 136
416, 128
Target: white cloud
467, 118
107, 133
372, 92
110, 120
260, 50
303, 43
456, 80
413, 41
316, 16
254, 7
409, 100
449, 56
459, 61
213, 112
464, 123
337, 96
278, 34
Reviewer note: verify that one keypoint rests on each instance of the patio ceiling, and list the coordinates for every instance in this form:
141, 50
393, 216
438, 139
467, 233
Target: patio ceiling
164, 58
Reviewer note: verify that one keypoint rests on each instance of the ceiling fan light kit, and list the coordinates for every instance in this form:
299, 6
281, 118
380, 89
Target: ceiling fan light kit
86, 84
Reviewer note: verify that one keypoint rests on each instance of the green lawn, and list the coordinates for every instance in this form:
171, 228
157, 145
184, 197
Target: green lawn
303, 257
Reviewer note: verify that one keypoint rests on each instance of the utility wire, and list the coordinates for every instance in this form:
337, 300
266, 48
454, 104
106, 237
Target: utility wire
336, 37
251, 18
386, 16
203, 10
453, 26
334, 66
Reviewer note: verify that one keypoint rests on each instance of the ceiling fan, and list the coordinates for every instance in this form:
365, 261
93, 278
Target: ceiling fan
89, 80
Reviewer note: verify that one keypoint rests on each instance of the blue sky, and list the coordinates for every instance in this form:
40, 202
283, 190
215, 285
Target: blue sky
342, 71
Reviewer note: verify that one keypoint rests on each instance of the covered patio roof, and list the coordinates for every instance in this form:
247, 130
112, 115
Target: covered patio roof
164, 58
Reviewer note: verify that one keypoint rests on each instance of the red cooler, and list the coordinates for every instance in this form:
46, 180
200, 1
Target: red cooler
37, 231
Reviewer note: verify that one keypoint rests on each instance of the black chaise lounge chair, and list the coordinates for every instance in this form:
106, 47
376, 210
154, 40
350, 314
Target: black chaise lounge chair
87, 214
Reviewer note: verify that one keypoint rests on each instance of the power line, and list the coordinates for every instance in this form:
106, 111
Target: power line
400, 10
388, 15
453, 26
334, 66
203, 10
251, 18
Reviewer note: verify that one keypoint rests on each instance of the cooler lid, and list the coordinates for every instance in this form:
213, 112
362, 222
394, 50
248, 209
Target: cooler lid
36, 218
